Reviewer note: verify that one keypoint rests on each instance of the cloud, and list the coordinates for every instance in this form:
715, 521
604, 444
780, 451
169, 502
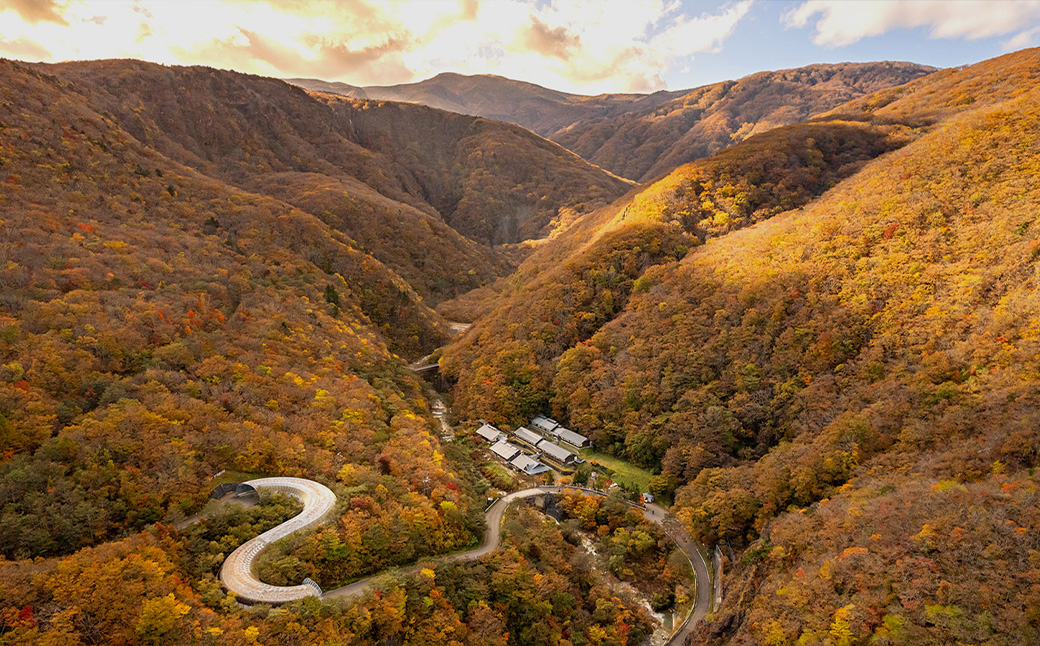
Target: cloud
843, 22
24, 49
577, 45
338, 60
260, 48
35, 11
1022, 39
556, 42
596, 46
705, 33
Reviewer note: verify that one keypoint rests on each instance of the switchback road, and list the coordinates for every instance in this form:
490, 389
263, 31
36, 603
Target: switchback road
237, 571
318, 500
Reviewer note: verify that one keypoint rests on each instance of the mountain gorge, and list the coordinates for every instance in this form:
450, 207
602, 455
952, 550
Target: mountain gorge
812, 324
832, 387
167, 227
193, 291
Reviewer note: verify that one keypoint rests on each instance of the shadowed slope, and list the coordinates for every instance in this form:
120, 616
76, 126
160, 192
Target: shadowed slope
544, 111
160, 326
491, 181
644, 145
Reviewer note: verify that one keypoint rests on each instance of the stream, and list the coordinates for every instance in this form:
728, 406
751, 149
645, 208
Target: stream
440, 411
665, 620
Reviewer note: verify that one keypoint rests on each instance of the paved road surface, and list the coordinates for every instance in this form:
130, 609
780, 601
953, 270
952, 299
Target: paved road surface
318, 501
705, 590
237, 571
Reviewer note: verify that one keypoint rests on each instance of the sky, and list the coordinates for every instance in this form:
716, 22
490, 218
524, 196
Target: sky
582, 46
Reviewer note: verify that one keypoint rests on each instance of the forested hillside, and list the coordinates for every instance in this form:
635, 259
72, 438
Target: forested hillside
491, 182
577, 282
166, 318
160, 326
494, 182
845, 392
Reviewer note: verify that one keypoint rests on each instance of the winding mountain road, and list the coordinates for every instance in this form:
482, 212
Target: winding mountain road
237, 571
318, 500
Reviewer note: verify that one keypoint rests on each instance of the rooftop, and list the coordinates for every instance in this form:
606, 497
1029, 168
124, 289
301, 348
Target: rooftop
544, 423
569, 436
528, 465
505, 450
555, 451
527, 435
489, 432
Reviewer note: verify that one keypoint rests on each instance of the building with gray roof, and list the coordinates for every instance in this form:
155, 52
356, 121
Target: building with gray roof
556, 452
527, 435
570, 437
527, 464
543, 423
505, 450
490, 433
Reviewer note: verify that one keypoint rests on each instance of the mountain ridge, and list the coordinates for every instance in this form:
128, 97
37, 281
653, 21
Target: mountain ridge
498, 97
641, 136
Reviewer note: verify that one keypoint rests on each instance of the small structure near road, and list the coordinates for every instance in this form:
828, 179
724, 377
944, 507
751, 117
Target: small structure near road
557, 452
238, 489
505, 450
223, 490
490, 433
527, 464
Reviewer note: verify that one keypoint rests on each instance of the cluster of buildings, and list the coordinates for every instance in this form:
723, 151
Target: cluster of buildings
546, 447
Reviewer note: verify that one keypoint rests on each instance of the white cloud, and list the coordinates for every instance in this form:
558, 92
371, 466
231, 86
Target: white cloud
1022, 39
578, 45
843, 22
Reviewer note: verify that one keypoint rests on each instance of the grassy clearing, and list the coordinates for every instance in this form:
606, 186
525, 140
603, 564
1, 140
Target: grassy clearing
624, 472
501, 478
233, 476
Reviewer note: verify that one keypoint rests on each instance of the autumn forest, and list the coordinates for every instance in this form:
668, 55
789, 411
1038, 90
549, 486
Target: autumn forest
797, 310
